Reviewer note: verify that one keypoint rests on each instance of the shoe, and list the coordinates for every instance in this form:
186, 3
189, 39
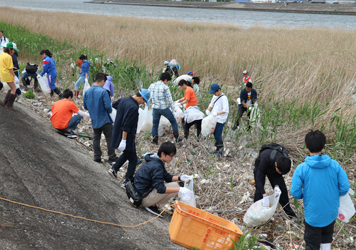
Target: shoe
123, 185
155, 140
154, 210
176, 137
10, 102
98, 160
6, 98
70, 134
112, 161
216, 151
113, 173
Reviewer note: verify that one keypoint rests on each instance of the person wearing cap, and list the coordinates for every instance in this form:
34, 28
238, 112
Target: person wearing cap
246, 78
190, 73
218, 108
124, 131
7, 74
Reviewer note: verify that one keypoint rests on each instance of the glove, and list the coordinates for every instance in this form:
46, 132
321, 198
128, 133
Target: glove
214, 114
207, 112
277, 191
185, 192
186, 178
265, 201
38, 77
249, 108
122, 145
17, 81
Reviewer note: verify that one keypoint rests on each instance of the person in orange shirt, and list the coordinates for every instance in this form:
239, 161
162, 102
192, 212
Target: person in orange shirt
62, 115
192, 114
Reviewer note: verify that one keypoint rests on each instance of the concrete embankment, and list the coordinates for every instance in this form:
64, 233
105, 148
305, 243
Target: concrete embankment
334, 9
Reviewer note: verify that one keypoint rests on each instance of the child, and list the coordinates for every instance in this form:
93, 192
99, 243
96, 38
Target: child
319, 181
84, 74
16, 71
246, 78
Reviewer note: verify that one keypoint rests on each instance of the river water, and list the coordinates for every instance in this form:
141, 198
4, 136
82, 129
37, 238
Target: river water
243, 19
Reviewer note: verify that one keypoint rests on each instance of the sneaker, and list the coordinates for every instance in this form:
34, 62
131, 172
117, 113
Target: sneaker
112, 161
154, 210
70, 134
123, 185
113, 173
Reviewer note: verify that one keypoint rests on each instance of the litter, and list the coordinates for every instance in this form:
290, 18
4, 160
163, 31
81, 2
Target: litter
347, 207
208, 125
43, 81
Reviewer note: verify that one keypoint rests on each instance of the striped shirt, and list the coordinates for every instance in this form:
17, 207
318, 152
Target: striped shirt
161, 96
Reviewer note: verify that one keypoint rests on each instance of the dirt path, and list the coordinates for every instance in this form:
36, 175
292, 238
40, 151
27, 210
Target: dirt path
41, 168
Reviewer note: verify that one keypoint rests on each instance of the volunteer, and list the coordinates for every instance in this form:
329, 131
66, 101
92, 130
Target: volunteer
84, 73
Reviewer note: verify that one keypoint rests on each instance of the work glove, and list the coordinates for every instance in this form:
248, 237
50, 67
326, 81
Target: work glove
185, 192
249, 108
186, 178
207, 112
277, 191
265, 201
17, 81
122, 145
214, 114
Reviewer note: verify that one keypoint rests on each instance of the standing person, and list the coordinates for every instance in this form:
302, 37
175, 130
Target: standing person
161, 102
84, 73
124, 134
49, 67
248, 97
155, 184
16, 71
62, 115
219, 108
97, 102
3, 39
319, 181
246, 78
109, 86
7, 74
272, 162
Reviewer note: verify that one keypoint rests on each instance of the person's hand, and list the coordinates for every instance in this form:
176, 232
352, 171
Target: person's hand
122, 145
207, 112
186, 178
38, 77
249, 108
185, 192
277, 191
214, 114
265, 201
17, 81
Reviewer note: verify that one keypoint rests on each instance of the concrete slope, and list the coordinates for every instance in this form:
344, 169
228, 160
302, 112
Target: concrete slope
41, 168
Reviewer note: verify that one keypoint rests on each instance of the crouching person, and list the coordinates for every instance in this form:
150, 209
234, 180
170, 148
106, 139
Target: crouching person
154, 183
62, 115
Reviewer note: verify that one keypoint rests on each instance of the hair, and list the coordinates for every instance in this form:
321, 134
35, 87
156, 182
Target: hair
47, 52
67, 93
83, 57
196, 79
2, 31
315, 141
167, 148
138, 94
100, 77
7, 50
249, 85
284, 164
181, 82
165, 76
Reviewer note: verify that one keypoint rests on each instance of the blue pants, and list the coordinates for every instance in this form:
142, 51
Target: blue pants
80, 81
157, 116
25, 75
18, 90
74, 121
218, 131
52, 80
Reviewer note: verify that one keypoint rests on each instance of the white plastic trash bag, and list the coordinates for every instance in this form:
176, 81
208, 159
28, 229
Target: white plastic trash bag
191, 199
163, 124
347, 207
178, 112
255, 114
140, 120
193, 115
86, 86
43, 81
5, 87
147, 120
208, 125
257, 214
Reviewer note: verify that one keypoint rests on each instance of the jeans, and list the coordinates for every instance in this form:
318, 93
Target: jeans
74, 121
218, 131
107, 130
25, 75
132, 158
314, 236
157, 116
80, 81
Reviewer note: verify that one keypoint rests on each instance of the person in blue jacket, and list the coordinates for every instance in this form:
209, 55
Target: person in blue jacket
84, 73
49, 67
319, 181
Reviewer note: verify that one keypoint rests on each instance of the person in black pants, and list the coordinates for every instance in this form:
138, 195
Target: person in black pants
274, 170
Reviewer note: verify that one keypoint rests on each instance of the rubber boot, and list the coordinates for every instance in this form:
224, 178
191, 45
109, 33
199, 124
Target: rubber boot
58, 92
216, 150
186, 134
24, 84
198, 133
76, 93
176, 137
220, 148
155, 140
36, 86
325, 246
10, 102
4, 102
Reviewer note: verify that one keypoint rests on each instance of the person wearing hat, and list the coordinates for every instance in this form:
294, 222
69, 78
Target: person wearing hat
124, 131
246, 78
190, 73
7, 74
218, 108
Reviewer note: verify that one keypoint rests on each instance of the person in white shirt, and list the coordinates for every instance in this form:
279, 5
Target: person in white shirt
3, 40
219, 108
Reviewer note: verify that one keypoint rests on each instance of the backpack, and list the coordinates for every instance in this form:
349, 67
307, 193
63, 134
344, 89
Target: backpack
131, 192
31, 68
275, 148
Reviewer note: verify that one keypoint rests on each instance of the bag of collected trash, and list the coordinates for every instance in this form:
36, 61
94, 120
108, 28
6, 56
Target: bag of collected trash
86, 86
208, 125
255, 115
178, 112
347, 207
190, 200
113, 114
147, 120
43, 81
140, 120
193, 114
163, 124
257, 214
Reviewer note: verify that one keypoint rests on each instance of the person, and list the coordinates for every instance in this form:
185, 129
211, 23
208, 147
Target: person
191, 108
246, 78
3, 39
109, 86
84, 73
30, 71
49, 67
194, 81
190, 73
161, 102
248, 97
62, 115
16, 71
172, 68
7, 74
319, 181
155, 184
97, 102
218, 108
124, 131
272, 162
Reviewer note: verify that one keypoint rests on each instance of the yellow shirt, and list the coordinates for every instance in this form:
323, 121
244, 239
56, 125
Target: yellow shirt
6, 65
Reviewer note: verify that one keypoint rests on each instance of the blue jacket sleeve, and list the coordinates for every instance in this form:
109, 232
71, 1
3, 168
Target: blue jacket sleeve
45, 69
85, 68
297, 183
242, 96
158, 180
344, 185
85, 101
167, 176
107, 102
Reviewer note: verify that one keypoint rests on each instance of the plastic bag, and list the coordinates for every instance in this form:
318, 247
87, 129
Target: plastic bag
208, 125
178, 112
113, 114
5, 87
86, 86
194, 115
43, 81
147, 120
255, 114
189, 200
257, 214
163, 124
347, 207
140, 120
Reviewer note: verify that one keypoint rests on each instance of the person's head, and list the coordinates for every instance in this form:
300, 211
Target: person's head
68, 94
165, 77
315, 141
83, 57
10, 48
184, 84
142, 96
190, 73
195, 80
1, 33
45, 53
166, 152
245, 73
100, 79
249, 87
215, 89
283, 165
